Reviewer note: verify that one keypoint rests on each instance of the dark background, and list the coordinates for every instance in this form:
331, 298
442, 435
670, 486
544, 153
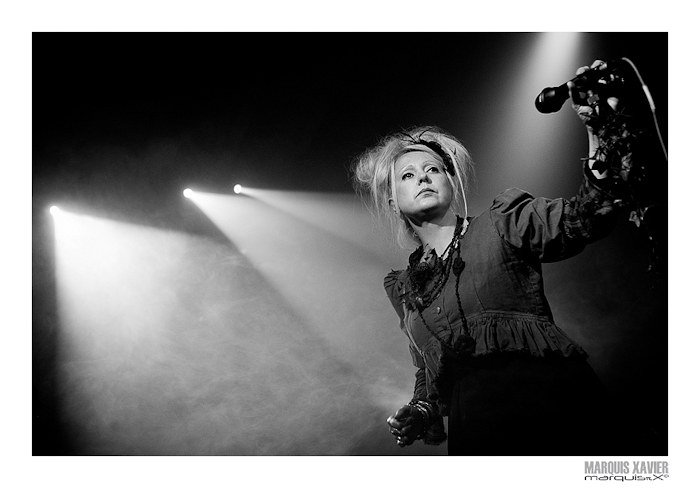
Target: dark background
123, 122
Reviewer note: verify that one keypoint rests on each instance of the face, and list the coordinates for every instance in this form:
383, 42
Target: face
423, 191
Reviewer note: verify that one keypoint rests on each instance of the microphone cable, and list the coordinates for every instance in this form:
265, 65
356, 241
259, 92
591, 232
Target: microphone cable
647, 93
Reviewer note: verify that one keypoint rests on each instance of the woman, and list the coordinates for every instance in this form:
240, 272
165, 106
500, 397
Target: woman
471, 301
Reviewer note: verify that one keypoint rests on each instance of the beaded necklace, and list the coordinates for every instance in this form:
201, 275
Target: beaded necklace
438, 268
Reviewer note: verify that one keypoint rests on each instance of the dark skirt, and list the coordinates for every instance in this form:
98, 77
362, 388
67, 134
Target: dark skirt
515, 404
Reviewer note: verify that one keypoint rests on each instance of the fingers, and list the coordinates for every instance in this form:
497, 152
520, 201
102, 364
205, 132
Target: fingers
579, 103
581, 70
397, 423
403, 413
402, 435
400, 426
597, 63
577, 97
403, 438
580, 96
404, 441
401, 418
400, 431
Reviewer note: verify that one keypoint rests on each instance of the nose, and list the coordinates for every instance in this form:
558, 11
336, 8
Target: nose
423, 177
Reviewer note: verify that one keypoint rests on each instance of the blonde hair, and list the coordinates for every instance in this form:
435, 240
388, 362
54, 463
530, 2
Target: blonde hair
373, 173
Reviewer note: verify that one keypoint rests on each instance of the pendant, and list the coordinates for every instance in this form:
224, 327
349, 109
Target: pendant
464, 345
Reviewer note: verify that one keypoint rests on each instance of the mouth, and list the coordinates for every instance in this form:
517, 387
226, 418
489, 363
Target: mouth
425, 190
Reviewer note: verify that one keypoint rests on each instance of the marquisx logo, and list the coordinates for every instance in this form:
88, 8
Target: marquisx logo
625, 470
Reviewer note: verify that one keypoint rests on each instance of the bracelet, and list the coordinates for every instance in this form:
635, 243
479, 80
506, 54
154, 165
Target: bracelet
426, 407
428, 413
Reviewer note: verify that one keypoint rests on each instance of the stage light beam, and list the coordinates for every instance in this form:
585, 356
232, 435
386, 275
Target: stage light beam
161, 333
188, 193
237, 189
54, 210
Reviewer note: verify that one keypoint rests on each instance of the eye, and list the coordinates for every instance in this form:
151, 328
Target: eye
433, 169
406, 176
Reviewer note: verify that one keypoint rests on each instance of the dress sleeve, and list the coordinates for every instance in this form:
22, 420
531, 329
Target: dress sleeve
393, 285
552, 230
420, 390
435, 433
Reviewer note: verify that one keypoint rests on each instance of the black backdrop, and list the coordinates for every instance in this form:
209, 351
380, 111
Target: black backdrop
289, 112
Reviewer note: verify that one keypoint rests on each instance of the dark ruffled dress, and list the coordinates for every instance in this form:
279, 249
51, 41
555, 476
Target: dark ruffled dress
487, 349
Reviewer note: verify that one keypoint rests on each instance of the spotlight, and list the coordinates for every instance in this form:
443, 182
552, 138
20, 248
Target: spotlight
54, 210
187, 193
237, 189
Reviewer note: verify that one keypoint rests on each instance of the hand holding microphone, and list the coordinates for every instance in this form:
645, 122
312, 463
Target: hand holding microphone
551, 99
585, 100
585, 97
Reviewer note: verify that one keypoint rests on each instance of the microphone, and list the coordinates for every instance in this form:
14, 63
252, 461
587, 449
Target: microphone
551, 99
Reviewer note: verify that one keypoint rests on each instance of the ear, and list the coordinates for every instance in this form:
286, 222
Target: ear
394, 207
